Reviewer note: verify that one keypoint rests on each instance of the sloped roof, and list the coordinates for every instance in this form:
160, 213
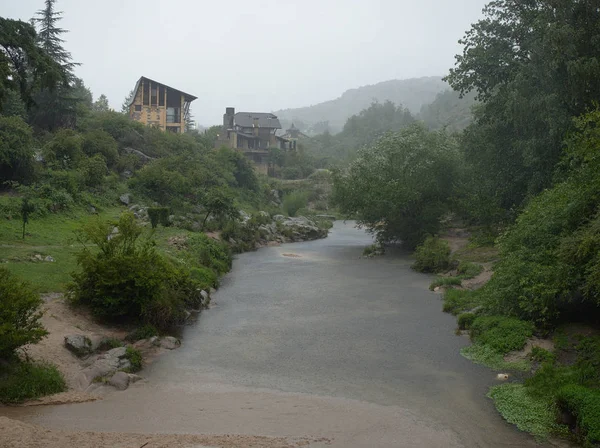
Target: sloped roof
186, 96
265, 120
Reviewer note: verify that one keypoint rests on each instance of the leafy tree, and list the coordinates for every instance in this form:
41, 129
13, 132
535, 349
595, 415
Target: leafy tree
399, 187
533, 66
13, 105
19, 315
24, 65
64, 150
93, 170
101, 142
16, 150
101, 104
218, 202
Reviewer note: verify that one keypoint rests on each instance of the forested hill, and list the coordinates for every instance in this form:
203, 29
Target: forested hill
410, 93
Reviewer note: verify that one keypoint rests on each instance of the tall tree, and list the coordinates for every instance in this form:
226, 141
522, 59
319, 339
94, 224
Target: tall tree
534, 65
49, 36
126, 102
24, 65
101, 104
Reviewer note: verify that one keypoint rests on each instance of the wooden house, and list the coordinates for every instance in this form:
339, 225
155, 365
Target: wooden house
159, 105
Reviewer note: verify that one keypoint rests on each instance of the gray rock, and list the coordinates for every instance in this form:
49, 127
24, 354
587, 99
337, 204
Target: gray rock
133, 378
124, 364
102, 367
125, 198
49, 259
170, 343
278, 218
244, 216
78, 344
92, 210
205, 295
264, 214
126, 174
119, 380
118, 352
37, 257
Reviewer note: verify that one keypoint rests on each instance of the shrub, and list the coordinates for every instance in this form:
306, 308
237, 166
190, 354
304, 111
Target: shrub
135, 358
542, 355
465, 320
584, 405
432, 256
205, 277
94, 170
19, 315
209, 252
294, 202
158, 215
503, 334
101, 142
16, 149
143, 332
468, 270
109, 343
64, 150
291, 172
486, 355
458, 300
20, 381
127, 279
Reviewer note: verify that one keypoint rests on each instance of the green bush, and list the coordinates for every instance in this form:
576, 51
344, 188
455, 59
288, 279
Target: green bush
109, 343
64, 151
125, 278
486, 355
503, 334
101, 142
94, 170
542, 355
584, 404
294, 202
432, 256
19, 315
291, 172
468, 270
158, 215
20, 381
143, 332
465, 320
205, 277
457, 301
16, 150
135, 358
209, 252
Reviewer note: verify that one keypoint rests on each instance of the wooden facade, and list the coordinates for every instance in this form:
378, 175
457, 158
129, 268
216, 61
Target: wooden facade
159, 105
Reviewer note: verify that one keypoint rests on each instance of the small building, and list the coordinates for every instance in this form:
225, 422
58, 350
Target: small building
159, 105
253, 133
293, 134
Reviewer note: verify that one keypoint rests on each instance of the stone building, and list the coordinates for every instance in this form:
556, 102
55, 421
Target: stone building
253, 133
156, 104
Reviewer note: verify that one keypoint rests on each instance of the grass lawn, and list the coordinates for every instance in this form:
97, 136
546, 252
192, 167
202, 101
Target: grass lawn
52, 235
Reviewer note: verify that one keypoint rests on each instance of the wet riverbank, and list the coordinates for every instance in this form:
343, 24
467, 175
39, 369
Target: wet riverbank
311, 339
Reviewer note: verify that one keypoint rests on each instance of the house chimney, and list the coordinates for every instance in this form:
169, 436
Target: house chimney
228, 118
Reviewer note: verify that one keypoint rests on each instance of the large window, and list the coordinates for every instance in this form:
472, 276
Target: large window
146, 91
173, 115
161, 96
154, 101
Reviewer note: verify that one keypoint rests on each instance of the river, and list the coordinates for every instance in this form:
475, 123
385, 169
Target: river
310, 339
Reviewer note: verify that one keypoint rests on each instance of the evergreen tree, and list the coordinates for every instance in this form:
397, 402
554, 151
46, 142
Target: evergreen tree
190, 124
126, 103
101, 104
49, 36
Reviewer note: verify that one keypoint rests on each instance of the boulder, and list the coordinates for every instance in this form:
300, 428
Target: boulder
125, 198
117, 352
133, 378
278, 218
50, 259
100, 368
170, 343
119, 380
124, 364
78, 344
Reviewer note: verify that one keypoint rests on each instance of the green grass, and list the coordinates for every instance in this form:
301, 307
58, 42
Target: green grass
486, 355
476, 254
445, 281
534, 415
468, 270
135, 358
52, 235
457, 301
20, 381
501, 333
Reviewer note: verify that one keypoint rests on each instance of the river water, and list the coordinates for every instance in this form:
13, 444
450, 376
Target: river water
310, 339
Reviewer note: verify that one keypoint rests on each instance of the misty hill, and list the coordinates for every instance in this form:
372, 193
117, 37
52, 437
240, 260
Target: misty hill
449, 111
411, 93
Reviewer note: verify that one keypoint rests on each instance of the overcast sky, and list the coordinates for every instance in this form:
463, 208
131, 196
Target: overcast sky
256, 55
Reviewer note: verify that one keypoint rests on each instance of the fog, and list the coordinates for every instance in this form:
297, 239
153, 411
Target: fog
257, 55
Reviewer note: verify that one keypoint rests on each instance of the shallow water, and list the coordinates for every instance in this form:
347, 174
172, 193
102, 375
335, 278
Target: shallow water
310, 339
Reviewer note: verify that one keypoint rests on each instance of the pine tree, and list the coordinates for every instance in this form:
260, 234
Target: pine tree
101, 104
126, 103
190, 124
49, 36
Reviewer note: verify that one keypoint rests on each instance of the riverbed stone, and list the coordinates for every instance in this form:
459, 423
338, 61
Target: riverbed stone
170, 342
125, 198
117, 352
119, 380
78, 344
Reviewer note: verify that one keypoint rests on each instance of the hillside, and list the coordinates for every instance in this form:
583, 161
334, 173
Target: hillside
411, 93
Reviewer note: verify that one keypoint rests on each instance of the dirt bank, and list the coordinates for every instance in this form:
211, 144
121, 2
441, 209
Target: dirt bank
16, 434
